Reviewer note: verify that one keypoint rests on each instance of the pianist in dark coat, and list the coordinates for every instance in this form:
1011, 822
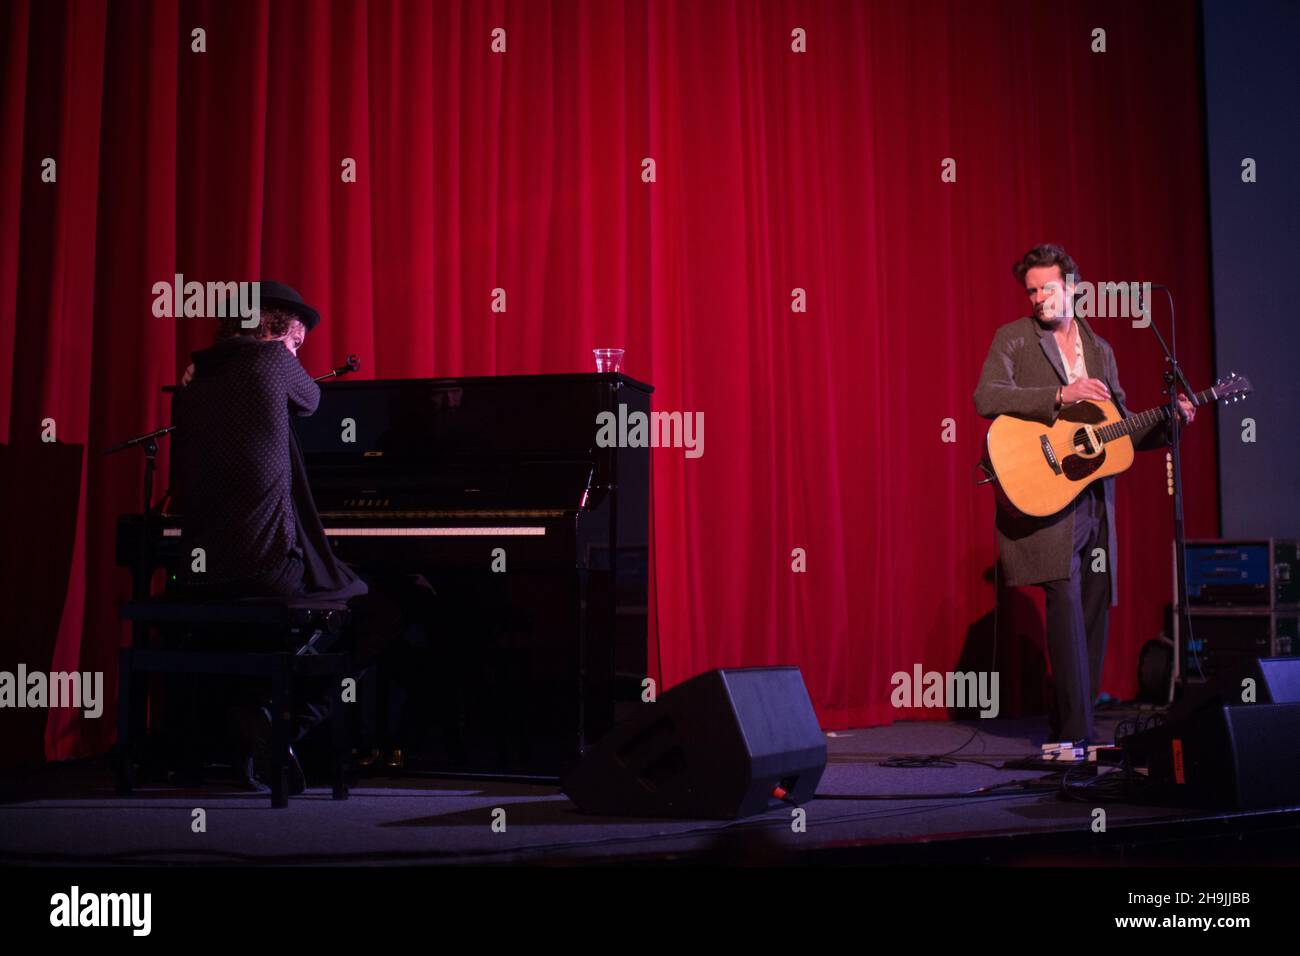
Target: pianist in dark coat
239, 479
239, 475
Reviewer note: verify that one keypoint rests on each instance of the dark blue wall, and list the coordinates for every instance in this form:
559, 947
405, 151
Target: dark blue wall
1252, 82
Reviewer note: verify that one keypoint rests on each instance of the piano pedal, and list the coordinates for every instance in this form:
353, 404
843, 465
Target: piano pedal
396, 762
367, 760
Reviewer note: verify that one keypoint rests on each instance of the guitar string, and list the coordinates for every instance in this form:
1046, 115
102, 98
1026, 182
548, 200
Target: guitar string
1132, 423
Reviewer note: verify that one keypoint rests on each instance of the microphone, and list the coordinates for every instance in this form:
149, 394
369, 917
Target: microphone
353, 364
1154, 285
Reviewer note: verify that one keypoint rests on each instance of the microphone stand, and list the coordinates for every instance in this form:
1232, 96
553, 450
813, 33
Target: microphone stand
136, 710
1173, 377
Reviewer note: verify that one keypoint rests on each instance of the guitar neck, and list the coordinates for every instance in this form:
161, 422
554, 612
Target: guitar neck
1151, 416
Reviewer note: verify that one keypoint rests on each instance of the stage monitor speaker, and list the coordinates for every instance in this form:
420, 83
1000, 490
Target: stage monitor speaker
1276, 680
1281, 679
1244, 757
718, 746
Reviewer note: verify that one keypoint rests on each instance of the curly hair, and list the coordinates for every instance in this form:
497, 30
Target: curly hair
1047, 254
272, 323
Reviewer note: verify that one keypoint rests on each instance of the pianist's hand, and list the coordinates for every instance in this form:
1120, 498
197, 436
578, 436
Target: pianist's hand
189, 375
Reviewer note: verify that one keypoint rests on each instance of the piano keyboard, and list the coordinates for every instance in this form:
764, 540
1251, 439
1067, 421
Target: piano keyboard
408, 532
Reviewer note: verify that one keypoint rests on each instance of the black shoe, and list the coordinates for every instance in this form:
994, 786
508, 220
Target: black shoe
254, 777
297, 779
246, 777
258, 766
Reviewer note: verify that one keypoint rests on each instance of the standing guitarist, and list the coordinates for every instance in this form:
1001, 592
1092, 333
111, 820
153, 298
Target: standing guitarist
1035, 367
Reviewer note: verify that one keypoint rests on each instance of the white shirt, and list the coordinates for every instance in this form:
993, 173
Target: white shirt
1074, 370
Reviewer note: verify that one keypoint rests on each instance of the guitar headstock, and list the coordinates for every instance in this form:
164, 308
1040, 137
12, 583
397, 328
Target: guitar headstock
1233, 388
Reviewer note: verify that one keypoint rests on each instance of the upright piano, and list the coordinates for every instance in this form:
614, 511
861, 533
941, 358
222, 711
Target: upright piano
534, 537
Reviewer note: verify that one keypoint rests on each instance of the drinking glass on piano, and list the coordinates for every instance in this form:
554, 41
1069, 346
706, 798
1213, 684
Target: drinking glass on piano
609, 360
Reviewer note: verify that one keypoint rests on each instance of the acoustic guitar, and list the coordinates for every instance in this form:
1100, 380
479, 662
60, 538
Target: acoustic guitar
1042, 468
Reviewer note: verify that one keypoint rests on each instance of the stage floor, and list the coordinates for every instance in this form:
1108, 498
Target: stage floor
864, 813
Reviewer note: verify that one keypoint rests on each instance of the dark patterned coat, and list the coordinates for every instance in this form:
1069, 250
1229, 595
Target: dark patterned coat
238, 475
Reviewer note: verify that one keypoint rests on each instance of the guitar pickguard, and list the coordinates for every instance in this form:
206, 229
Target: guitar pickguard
1089, 452
1079, 467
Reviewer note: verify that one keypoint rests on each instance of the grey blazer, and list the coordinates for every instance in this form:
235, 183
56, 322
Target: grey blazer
1020, 377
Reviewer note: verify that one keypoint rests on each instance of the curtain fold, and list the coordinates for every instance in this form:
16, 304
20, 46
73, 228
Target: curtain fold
775, 171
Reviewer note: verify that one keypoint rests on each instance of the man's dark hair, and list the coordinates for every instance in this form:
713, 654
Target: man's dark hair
1048, 254
272, 324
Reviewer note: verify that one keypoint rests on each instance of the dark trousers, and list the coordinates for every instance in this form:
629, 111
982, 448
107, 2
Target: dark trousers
1078, 612
378, 618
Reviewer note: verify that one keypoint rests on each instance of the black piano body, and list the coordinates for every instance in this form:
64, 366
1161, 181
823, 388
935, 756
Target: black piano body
533, 535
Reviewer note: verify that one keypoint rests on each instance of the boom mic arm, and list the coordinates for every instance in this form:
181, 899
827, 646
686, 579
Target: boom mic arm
353, 364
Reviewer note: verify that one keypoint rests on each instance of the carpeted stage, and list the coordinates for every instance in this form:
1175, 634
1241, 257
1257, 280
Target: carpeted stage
67, 814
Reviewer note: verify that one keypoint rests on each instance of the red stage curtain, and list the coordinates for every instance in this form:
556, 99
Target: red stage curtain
775, 170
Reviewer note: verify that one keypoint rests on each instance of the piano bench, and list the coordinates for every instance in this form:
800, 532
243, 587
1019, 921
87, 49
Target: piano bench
305, 628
